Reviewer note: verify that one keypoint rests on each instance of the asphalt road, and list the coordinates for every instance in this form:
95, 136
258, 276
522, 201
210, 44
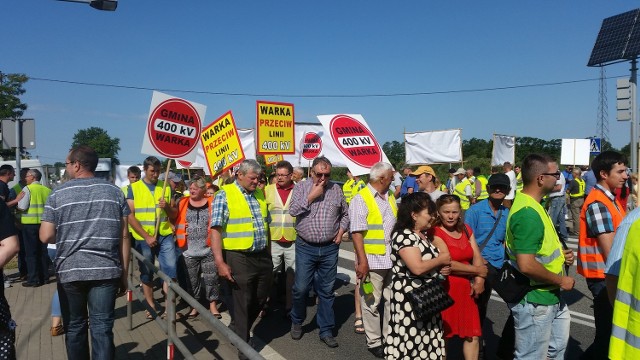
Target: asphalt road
274, 329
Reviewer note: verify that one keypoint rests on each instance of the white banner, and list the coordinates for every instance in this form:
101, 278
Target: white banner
504, 149
248, 141
354, 140
575, 152
328, 149
433, 147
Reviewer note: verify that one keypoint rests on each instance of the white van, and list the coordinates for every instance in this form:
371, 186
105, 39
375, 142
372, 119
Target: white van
31, 164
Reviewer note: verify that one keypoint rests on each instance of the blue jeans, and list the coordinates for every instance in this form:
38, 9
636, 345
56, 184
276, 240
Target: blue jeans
99, 298
557, 211
312, 260
166, 253
542, 331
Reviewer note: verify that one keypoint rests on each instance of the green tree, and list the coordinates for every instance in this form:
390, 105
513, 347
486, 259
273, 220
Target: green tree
395, 152
11, 87
100, 141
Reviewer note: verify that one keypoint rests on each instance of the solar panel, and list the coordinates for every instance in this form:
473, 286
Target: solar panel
618, 39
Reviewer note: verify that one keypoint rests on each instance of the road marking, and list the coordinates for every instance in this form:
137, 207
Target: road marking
347, 275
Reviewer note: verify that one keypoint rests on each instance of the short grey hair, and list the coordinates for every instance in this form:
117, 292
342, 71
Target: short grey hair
378, 170
321, 160
249, 165
199, 182
35, 173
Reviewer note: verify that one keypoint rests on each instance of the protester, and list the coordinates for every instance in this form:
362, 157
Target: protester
589, 180
7, 174
239, 245
321, 219
507, 167
576, 199
282, 227
425, 178
149, 205
466, 281
298, 174
600, 217
541, 318
8, 249
488, 222
31, 202
518, 171
463, 189
558, 206
409, 184
396, 185
372, 214
451, 181
90, 273
416, 260
192, 239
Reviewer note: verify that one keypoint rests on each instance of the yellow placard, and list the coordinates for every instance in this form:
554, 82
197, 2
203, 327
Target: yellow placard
275, 124
272, 159
221, 144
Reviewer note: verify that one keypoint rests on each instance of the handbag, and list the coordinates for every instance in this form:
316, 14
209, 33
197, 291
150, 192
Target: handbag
512, 285
429, 299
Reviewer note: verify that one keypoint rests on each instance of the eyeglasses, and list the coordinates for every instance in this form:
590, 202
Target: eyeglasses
283, 175
323, 175
555, 175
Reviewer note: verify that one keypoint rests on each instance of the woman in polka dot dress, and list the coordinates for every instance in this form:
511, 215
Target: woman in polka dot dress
415, 260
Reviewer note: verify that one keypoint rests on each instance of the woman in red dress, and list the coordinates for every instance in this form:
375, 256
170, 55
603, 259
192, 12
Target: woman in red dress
466, 281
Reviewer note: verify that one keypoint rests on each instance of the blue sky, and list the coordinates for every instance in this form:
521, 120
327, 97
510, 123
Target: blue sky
313, 48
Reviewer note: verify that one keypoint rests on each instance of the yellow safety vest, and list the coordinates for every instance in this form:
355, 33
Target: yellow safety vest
346, 189
625, 332
374, 242
519, 184
459, 190
38, 195
550, 254
581, 187
237, 234
483, 185
282, 224
146, 210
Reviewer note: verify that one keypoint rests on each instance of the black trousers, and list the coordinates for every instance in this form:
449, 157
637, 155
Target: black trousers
253, 273
508, 337
603, 318
36, 255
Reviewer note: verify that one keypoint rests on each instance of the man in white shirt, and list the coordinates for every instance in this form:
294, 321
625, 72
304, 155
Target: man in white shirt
508, 170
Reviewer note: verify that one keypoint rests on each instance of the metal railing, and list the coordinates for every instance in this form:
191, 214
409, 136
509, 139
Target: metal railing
168, 325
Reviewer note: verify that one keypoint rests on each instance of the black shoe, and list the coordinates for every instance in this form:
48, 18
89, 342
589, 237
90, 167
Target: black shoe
377, 351
29, 284
330, 341
296, 331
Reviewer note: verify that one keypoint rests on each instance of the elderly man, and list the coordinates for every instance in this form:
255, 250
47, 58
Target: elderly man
373, 213
93, 271
239, 234
321, 219
32, 200
463, 189
426, 180
298, 174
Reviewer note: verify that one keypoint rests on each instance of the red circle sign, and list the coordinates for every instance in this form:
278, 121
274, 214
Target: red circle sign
186, 164
174, 128
355, 141
311, 146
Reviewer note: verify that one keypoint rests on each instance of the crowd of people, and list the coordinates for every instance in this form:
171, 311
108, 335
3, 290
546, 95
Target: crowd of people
225, 242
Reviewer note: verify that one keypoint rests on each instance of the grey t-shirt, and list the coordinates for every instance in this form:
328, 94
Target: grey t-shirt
88, 216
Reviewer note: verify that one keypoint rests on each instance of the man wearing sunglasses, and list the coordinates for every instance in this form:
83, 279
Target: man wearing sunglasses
320, 210
488, 220
600, 217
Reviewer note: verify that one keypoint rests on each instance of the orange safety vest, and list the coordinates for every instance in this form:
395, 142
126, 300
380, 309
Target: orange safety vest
181, 220
591, 263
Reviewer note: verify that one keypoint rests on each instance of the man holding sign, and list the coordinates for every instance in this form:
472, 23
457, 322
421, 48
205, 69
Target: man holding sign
148, 203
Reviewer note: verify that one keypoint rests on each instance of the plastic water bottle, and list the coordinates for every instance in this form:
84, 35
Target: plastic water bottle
367, 290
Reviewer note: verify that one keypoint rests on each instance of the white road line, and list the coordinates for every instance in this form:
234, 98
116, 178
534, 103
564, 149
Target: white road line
350, 276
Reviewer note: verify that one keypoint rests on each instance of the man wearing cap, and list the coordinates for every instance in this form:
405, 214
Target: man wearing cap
373, 214
488, 220
463, 189
426, 181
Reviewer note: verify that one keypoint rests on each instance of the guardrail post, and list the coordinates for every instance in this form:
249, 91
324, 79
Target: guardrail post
171, 321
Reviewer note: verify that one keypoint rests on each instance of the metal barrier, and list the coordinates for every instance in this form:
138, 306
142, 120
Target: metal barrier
169, 326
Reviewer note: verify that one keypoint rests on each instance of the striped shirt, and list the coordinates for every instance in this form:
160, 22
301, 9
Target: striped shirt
599, 220
220, 217
358, 212
620, 239
320, 221
88, 215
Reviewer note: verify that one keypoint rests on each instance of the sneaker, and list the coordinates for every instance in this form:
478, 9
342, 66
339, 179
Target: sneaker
377, 351
296, 331
330, 341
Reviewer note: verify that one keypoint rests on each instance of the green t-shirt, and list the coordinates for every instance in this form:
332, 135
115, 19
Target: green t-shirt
528, 232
